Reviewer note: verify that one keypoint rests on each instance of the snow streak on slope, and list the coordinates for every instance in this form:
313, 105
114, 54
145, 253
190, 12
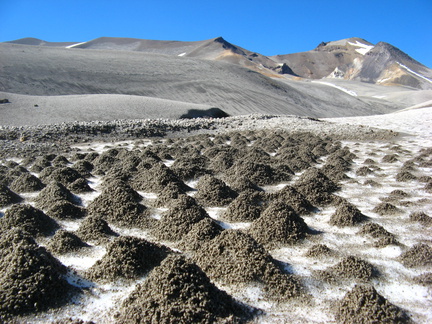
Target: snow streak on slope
363, 47
350, 92
415, 73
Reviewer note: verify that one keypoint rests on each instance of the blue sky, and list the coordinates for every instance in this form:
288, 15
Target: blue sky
266, 27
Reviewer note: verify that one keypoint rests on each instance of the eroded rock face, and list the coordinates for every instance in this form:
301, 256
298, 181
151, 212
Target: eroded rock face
364, 305
178, 291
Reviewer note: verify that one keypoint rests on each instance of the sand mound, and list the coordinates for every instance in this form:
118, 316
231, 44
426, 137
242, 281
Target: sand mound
364, 171
347, 215
318, 251
353, 268
191, 167
390, 158
419, 255
295, 199
95, 229
377, 231
259, 173
119, 203
65, 176
84, 168
214, 192
156, 179
234, 257
201, 232
29, 219
421, 217
63, 209
27, 182
53, 193
179, 219
80, 186
31, 279
246, 207
424, 279
166, 195
65, 242
278, 224
40, 163
316, 187
405, 176
178, 291
386, 209
128, 258
8, 197
364, 305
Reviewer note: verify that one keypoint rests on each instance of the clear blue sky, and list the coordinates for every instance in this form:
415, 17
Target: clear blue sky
266, 27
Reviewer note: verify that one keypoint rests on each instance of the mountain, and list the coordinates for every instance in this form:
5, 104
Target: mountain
357, 59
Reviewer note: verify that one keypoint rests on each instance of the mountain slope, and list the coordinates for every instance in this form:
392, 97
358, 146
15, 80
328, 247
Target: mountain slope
42, 71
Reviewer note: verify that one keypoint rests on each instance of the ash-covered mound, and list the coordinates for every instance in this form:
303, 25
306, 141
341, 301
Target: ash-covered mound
390, 158
127, 258
8, 197
385, 208
156, 179
347, 215
353, 268
80, 186
214, 192
278, 224
241, 184
63, 209
119, 203
65, 242
364, 305
235, 257
60, 161
178, 291
421, 217
378, 232
364, 171
203, 231
31, 279
295, 199
246, 207
424, 279
40, 163
170, 192
419, 255
26, 182
84, 168
95, 229
318, 251
191, 167
65, 176
179, 219
259, 173
404, 176
54, 192
316, 187
29, 219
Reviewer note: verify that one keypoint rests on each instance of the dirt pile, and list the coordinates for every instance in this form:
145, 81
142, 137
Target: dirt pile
65, 210
318, 251
354, 268
27, 182
31, 278
65, 242
214, 192
156, 179
347, 215
128, 258
178, 291
364, 305
8, 197
279, 224
259, 173
419, 255
246, 207
385, 208
295, 199
378, 232
119, 203
95, 229
234, 257
29, 219
421, 217
54, 192
201, 232
316, 187
179, 219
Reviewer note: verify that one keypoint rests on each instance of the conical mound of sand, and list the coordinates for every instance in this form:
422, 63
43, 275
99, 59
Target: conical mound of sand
214, 192
128, 258
27, 182
8, 197
95, 229
364, 305
178, 291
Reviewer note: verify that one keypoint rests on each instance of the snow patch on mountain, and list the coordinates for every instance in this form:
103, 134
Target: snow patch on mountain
75, 45
350, 92
363, 47
412, 72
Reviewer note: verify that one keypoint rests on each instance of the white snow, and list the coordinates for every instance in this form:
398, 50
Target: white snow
350, 92
182, 54
75, 45
412, 72
363, 47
